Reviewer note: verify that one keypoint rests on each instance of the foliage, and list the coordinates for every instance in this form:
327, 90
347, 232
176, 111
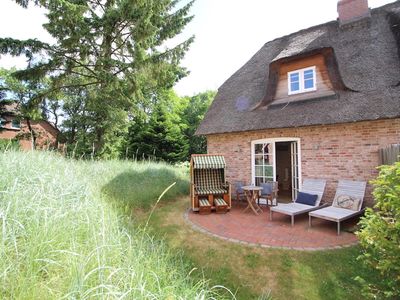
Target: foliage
380, 235
61, 238
167, 129
160, 135
9, 144
113, 49
193, 115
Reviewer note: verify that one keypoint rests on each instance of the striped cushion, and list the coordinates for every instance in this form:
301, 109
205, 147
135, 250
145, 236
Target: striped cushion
204, 202
209, 178
220, 202
213, 191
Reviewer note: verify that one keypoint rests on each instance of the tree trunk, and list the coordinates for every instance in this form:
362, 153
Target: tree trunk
32, 134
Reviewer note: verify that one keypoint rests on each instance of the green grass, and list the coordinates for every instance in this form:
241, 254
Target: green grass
254, 271
64, 235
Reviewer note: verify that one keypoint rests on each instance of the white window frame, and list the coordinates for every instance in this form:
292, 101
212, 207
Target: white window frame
273, 141
13, 127
301, 81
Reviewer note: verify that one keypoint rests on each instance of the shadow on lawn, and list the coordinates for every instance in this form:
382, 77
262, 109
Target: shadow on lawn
141, 188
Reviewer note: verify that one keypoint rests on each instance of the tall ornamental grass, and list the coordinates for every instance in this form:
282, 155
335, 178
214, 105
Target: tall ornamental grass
61, 237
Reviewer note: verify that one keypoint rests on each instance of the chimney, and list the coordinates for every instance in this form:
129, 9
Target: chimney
352, 10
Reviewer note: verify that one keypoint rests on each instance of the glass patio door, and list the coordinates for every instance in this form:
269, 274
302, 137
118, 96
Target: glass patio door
264, 162
294, 155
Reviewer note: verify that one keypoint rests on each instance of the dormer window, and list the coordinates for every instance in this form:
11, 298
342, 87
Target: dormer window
15, 124
301, 81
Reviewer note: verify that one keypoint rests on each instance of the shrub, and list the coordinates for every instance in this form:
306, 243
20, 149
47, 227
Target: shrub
380, 236
10, 144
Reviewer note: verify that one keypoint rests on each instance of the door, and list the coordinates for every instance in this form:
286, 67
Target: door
294, 155
264, 162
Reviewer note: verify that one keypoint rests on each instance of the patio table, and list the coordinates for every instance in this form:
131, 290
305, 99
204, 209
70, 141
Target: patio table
252, 192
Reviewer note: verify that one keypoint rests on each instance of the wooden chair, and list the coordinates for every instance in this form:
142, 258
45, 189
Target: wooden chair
239, 192
269, 192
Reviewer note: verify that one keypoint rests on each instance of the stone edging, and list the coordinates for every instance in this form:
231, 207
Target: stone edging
202, 230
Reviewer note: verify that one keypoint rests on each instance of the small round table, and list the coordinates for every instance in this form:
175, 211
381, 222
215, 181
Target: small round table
252, 192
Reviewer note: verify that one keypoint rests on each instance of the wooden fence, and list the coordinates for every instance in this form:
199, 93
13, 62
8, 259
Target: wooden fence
389, 155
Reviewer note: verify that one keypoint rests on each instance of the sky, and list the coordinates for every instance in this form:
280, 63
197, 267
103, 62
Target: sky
227, 33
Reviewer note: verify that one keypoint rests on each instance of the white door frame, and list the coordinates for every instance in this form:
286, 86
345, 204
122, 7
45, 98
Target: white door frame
273, 141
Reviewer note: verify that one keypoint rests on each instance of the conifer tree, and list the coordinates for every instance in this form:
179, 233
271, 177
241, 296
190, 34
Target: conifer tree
115, 48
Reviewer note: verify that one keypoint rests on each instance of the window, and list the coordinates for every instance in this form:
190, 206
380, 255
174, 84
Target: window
15, 124
301, 81
2, 122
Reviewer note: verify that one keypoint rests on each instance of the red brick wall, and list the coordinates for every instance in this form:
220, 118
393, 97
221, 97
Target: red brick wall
46, 134
331, 152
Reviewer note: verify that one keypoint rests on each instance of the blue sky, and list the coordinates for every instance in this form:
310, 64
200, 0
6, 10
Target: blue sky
228, 33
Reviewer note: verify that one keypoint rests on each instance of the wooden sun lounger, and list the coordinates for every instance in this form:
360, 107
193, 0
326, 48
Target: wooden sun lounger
311, 186
337, 214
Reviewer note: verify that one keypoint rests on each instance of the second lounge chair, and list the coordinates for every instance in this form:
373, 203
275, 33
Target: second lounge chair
346, 204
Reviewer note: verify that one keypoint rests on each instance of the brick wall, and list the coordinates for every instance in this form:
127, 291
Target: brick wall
331, 152
46, 134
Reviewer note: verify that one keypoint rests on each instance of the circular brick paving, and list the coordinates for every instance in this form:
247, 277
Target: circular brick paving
247, 228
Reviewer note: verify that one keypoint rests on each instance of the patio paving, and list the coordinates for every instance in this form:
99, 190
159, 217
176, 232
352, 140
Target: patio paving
246, 227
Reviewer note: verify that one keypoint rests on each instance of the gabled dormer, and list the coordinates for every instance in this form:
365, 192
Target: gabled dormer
311, 75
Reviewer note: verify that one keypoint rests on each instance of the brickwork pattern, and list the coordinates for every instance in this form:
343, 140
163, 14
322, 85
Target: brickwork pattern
331, 152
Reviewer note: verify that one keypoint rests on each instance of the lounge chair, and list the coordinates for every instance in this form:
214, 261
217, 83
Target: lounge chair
346, 193
310, 186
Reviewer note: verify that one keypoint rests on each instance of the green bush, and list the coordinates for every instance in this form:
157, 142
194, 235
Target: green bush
380, 236
9, 144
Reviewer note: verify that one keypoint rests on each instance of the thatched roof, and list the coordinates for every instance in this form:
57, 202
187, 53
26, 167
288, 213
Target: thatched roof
366, 60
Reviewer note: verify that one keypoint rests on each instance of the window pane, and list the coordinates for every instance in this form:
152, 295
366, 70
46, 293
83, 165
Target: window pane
268, 160
268, 171
268, 148
294, 77
309, 74
259, 171
259, 148
258, 160
15, 124
259, 180
309, 83
294, 86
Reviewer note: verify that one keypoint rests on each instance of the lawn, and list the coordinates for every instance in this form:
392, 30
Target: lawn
77, 229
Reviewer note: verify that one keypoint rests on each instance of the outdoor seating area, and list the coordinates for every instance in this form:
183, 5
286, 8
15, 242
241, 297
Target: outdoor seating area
249, 229
256, 228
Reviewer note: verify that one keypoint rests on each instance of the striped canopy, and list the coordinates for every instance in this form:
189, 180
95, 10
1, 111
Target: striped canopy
208, 162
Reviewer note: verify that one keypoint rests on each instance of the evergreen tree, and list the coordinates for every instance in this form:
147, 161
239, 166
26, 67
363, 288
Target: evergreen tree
193, 115
161, 135
114, 48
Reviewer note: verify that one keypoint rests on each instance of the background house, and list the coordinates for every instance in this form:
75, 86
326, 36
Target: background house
318, 103
13, 127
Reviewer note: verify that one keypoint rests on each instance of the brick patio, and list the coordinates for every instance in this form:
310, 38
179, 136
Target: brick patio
246, 227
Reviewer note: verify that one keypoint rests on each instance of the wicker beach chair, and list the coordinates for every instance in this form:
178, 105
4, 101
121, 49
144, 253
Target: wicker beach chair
207, 174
